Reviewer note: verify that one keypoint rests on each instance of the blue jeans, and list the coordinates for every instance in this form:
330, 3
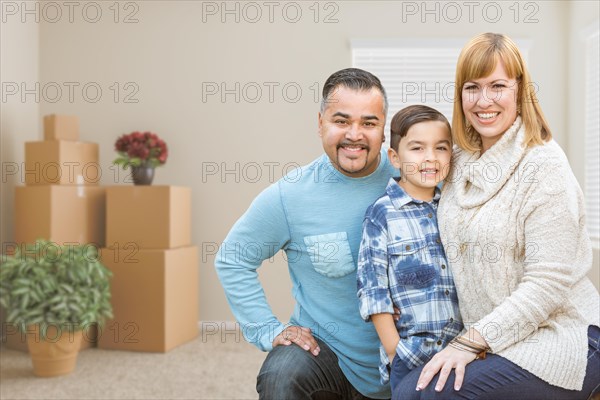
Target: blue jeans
496, 378
398, 371
290, 372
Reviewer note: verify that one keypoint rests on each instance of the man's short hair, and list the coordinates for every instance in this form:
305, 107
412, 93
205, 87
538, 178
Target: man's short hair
352, 78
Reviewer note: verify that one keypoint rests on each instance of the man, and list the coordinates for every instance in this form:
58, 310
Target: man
326, 350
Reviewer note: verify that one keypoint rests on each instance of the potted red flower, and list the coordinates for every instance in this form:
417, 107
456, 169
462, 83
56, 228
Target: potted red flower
143, 152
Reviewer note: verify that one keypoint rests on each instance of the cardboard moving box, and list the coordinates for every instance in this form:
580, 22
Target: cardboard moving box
61, 162
61, 127
148, 217
154, 299
60, 213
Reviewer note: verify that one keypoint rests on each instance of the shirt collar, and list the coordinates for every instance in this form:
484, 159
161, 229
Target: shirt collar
400, 198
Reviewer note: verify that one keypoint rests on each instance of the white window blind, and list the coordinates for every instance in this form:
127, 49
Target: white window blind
592, 136
417, 71
411, 73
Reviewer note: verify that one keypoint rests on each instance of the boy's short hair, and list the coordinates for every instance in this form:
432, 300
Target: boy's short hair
410, 116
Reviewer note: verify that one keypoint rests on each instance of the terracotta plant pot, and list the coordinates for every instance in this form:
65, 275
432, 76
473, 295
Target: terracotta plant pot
57, 353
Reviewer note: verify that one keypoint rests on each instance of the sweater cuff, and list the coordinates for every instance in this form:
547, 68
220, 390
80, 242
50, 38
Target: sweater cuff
262, 335
497, 332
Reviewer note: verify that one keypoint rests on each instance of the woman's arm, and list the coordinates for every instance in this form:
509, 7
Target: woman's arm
557, 253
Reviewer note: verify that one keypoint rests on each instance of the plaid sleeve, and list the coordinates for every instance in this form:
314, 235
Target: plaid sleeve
372, 272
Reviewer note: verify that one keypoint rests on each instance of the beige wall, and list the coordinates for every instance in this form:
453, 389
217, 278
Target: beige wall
173, 50
19, 121
582, 17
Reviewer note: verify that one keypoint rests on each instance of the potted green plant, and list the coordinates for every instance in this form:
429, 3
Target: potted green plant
54, 293
142, 152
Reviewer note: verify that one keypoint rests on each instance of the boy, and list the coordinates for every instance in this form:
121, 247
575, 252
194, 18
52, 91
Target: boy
401, 260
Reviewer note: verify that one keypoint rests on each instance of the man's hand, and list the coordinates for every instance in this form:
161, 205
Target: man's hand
299, 335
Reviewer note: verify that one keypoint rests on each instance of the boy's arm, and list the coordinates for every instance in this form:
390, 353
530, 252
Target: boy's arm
373, 285
388, 334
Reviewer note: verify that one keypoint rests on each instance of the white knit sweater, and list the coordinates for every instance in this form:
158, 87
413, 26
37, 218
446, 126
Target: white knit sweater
512, 224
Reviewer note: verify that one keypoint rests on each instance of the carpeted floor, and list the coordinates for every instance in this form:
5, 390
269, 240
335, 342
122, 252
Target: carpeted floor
206, 368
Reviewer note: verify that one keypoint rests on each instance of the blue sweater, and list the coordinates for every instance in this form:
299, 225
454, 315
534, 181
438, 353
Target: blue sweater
315, 215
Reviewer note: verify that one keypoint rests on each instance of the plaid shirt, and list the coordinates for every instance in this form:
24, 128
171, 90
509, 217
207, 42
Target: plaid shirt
402, 263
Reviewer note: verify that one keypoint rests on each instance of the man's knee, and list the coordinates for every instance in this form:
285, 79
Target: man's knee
290, 372
285, 369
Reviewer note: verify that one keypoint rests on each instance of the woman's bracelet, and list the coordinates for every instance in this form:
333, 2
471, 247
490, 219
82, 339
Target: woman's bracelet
458, 346
478, 355
469, 345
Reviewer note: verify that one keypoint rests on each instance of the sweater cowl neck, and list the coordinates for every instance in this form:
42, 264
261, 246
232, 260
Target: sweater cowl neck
479, 177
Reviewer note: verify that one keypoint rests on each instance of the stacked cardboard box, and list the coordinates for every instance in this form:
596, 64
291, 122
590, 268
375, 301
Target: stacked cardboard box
61, 201
155, 269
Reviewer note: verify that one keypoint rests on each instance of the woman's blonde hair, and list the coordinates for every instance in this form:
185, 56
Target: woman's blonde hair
478, 59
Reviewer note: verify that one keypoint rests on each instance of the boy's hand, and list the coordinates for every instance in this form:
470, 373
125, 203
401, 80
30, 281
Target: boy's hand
391, 357
396, 314
299, 335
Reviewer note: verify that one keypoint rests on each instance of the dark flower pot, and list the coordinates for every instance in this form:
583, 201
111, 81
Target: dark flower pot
142, 175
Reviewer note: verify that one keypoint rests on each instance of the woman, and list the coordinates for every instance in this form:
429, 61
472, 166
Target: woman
512, 223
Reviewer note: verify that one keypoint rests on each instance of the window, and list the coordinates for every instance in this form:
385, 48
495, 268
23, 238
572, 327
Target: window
418, 71
592, 136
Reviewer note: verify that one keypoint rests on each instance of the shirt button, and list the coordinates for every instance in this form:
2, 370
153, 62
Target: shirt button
438, 241
447, 292
439, 342
451, 319
407, 247
430, 215
443, 266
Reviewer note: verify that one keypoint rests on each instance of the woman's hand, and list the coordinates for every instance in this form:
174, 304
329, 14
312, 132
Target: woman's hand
443, 362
